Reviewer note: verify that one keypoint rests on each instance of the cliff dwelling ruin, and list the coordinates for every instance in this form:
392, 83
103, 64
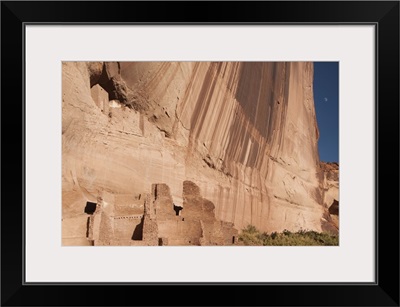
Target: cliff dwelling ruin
156, 220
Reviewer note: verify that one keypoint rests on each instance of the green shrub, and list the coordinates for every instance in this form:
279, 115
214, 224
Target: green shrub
252, 236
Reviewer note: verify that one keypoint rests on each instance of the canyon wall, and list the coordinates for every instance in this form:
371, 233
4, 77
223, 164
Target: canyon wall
330, 187
245, 133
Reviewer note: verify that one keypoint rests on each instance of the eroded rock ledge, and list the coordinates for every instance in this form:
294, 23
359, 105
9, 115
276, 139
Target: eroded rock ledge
330, 187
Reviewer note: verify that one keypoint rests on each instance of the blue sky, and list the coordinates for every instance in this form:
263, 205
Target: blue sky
326, 98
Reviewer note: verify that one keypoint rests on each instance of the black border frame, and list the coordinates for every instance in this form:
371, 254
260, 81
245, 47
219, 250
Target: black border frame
383, 14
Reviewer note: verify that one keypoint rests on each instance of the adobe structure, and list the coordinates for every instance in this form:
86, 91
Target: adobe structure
156, 219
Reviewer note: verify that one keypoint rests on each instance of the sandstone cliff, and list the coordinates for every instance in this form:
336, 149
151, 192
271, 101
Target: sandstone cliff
244, 133
330, 188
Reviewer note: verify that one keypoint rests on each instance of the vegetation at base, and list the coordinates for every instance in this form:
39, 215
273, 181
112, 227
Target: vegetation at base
252, 236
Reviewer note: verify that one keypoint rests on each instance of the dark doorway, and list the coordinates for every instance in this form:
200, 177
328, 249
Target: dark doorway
177, 209
87, 227
155, 191
138, 232
90, 207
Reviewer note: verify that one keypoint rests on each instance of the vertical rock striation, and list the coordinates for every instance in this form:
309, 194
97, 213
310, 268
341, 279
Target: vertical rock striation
245, 133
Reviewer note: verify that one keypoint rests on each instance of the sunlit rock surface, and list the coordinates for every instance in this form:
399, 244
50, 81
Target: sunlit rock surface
330, 187
244, 133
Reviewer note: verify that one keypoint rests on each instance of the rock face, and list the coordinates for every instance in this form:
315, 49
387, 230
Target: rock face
245, 134
330, 187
